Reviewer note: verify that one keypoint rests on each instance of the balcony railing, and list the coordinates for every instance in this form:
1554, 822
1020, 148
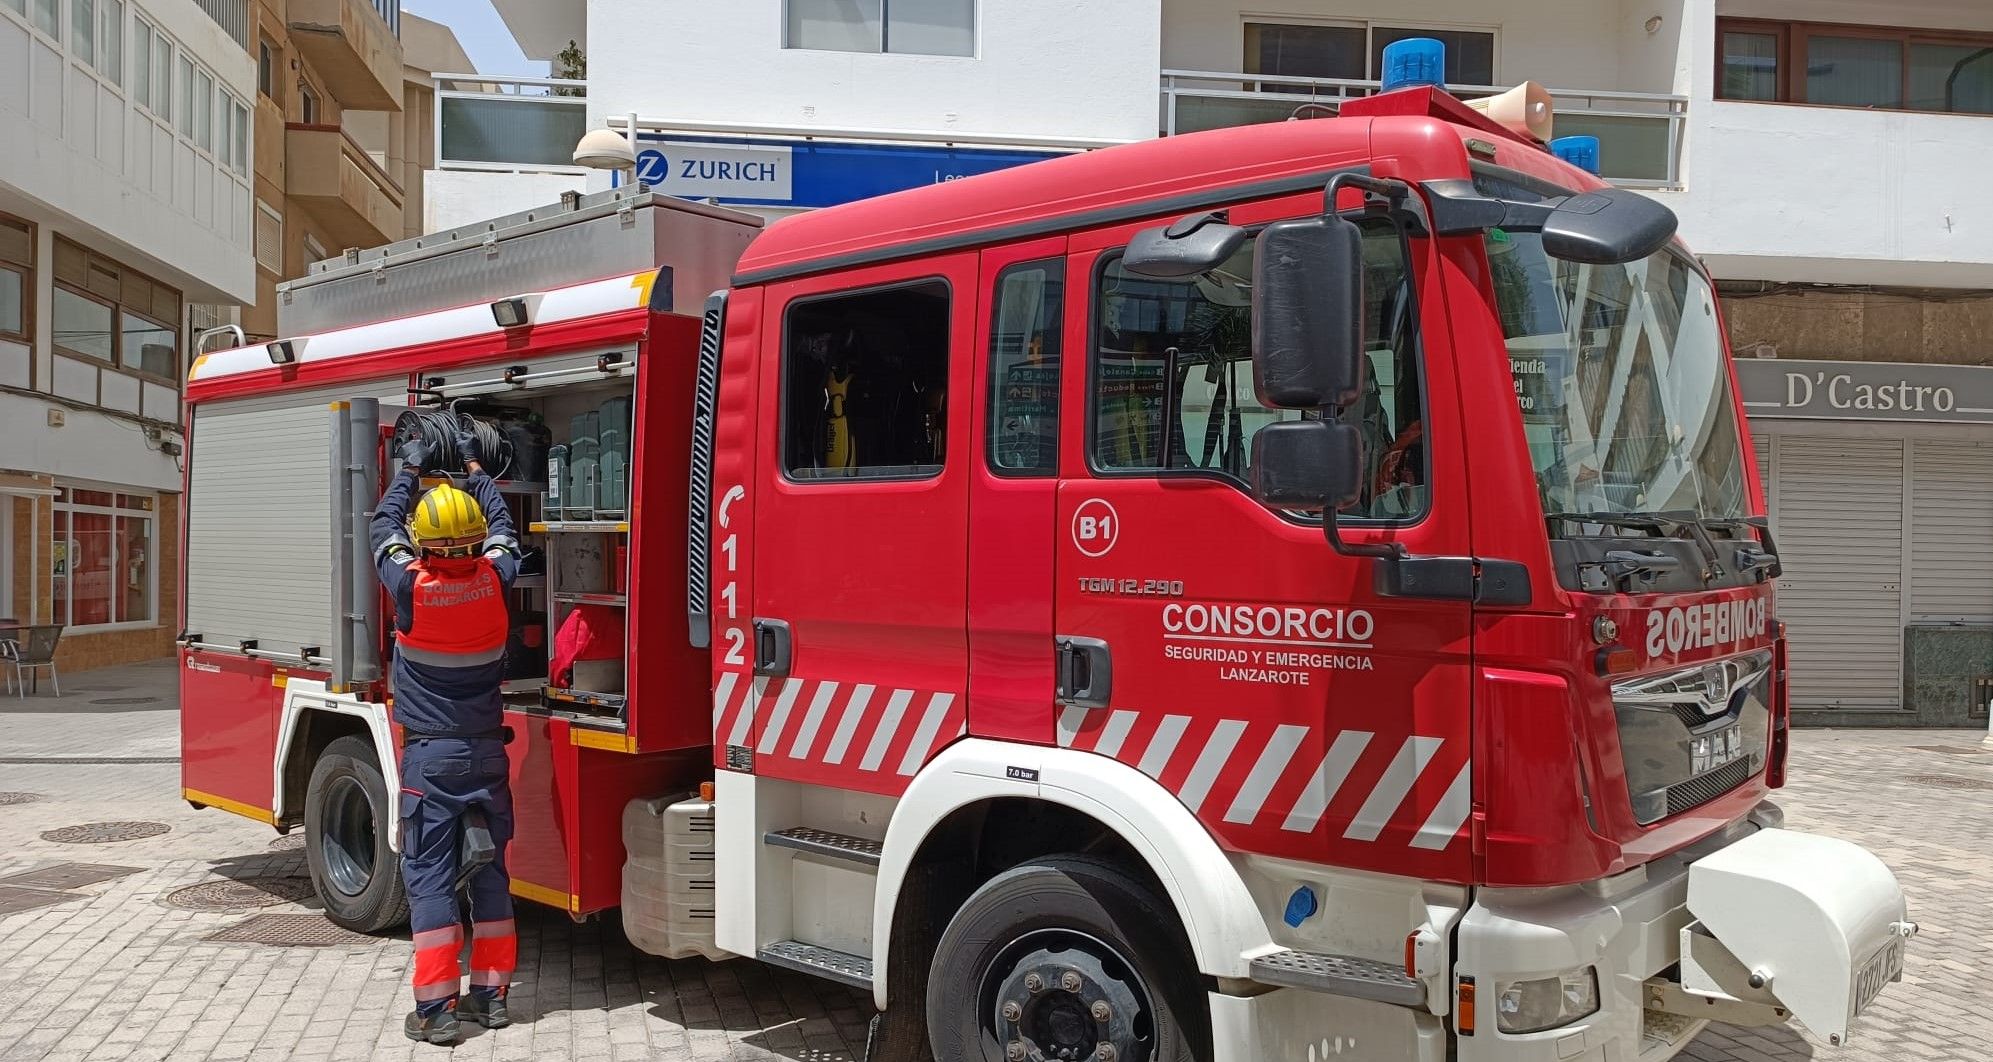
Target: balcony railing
230, 15
354, 199
1640, 133
509, 124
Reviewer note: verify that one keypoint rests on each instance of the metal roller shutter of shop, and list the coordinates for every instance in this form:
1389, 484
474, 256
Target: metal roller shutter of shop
1951, 538
259, 523
1840, 530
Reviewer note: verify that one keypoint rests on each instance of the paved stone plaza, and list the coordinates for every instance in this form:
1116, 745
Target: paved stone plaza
120, 968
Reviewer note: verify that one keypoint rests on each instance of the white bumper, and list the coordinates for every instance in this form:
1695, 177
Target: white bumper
1817, 923
1816, 918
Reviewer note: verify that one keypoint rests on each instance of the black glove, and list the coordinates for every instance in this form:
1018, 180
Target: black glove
416, 453
467, 448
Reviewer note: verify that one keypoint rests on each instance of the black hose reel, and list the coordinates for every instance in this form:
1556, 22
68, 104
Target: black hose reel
438, 428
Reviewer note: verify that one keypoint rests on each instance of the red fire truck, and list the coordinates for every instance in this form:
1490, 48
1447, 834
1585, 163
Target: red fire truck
1285, 592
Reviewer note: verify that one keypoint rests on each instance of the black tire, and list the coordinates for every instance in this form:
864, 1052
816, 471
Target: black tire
1056, 914
347, 810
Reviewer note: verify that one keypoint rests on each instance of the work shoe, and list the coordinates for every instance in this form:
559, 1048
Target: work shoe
488, 1011
439, 1028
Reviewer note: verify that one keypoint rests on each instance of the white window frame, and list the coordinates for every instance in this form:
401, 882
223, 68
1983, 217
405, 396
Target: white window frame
885, 15
1369, 28
67, 608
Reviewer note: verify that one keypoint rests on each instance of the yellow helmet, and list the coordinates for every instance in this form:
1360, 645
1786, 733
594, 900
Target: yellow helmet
449, 522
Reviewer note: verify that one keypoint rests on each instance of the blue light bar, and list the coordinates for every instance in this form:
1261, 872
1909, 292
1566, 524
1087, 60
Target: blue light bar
1579, 151
1414, 61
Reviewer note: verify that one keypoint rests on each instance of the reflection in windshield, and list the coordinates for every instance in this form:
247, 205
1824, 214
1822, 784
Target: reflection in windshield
1620, 377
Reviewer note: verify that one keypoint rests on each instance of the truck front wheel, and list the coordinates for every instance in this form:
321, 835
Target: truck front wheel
347, 814
1064, 958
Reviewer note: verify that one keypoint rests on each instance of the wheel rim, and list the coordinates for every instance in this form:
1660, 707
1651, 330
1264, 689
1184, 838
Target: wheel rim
347, 841
1065, 996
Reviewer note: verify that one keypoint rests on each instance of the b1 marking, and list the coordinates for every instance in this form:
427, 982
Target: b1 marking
1096, 527
652, 167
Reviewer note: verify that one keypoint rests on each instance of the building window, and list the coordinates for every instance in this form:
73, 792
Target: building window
1025, 343
48, 17
865, 384
269, 76
307, 104
238, 148
269, 237
912, 27
104, 558
1355, 51
83, 30
1172, 385
141, 62
204, 105
111, 40
115, 315
162, 74
17, 278
184, 107
1855, 66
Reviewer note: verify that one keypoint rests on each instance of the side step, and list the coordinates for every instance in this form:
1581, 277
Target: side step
825, 843
1340, 975
843, 967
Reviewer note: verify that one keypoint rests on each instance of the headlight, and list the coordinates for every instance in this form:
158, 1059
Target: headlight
1546, 1002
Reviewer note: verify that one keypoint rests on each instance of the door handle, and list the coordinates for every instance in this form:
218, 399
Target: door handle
774, 648
1084, 672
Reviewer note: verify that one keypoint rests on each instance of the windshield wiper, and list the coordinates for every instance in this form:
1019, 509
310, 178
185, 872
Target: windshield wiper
1748, 560
1752, 557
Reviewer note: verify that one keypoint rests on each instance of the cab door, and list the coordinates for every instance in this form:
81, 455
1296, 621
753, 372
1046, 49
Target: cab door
1226, 650
1013, 492
859, 644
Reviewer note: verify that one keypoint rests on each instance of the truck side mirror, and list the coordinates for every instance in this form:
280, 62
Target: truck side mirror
1182, 249
1308, 314
1307, 465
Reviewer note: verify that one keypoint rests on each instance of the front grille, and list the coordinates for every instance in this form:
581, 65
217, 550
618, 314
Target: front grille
1707, 787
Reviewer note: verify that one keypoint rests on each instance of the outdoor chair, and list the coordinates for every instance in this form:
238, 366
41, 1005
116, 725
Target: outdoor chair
24, 651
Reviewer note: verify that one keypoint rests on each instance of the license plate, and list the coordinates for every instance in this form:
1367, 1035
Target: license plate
1881, 968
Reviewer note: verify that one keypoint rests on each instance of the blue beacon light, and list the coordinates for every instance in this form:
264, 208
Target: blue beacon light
1579, 151
1414, 61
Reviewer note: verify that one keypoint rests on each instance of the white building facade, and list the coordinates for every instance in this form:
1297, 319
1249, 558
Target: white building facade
1827, 159
125, 218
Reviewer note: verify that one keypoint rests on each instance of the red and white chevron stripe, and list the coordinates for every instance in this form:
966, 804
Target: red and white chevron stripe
835, 733
1282, 787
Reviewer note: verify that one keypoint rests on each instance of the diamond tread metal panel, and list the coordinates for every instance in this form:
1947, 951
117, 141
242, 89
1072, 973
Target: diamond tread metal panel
291, 930
103, 832
825, 843
1340, 975
68, 875
843, 967
13, 900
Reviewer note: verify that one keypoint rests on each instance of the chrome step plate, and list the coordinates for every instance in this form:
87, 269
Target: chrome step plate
1340, 975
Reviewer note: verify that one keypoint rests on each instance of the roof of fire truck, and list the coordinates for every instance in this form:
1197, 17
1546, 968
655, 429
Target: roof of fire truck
1178, 173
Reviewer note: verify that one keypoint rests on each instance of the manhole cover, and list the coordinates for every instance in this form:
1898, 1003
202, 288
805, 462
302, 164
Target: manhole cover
100, 832
125, 700
67, 876
1947, 781
230, 894
18, 798
15, 900
291, 930
289, 842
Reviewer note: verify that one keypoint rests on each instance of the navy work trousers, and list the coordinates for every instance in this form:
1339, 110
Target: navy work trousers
441, 780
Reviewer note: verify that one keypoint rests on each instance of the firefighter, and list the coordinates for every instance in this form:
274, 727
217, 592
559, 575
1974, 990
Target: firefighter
449, 565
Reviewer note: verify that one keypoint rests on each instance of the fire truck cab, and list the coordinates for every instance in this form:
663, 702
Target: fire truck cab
1274, 593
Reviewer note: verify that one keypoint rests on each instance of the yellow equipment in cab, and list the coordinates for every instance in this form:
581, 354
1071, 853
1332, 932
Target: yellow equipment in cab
840, 449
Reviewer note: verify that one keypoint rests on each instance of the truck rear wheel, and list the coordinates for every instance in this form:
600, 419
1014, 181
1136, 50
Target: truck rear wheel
347, 813
1058, 957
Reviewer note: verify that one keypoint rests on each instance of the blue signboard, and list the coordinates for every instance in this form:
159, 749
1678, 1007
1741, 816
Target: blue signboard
806, 173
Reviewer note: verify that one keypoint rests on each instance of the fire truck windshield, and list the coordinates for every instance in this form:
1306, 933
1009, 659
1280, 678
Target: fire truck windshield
1620, 378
